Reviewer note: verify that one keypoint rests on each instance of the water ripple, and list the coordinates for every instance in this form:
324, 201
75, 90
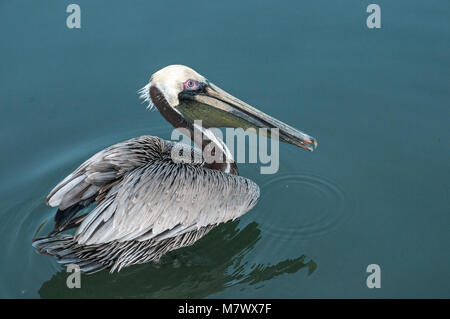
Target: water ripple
321, 206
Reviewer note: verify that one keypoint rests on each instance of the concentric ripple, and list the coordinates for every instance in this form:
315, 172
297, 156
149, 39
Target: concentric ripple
301, 206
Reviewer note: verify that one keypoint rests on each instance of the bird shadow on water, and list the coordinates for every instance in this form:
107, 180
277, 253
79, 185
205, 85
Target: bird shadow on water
197, 271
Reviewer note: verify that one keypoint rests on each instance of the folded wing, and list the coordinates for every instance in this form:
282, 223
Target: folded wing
165, 199
143, 195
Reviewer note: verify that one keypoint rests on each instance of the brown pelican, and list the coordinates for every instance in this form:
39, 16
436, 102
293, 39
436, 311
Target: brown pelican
147, 203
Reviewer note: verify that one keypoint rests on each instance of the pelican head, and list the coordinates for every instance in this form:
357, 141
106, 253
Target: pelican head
180, 90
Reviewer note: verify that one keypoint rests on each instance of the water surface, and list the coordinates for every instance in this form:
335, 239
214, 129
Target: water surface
377, 190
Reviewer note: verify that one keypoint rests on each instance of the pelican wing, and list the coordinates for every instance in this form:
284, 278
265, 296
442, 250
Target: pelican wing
97, 175
165, 199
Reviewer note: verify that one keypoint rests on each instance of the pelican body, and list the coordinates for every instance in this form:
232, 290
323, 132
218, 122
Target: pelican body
146, 203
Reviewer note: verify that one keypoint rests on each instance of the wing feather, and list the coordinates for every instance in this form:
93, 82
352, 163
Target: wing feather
105, 168
141, 194
164, 199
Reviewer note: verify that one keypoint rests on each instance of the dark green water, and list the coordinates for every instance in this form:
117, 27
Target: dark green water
376, 191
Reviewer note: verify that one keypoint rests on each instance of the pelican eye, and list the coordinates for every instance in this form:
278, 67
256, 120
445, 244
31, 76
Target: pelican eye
191, 85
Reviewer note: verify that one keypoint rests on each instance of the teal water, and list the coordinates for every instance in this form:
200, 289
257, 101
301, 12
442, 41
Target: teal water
376, 191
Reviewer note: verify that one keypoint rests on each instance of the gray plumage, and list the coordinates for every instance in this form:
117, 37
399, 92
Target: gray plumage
150, 201
147, 205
